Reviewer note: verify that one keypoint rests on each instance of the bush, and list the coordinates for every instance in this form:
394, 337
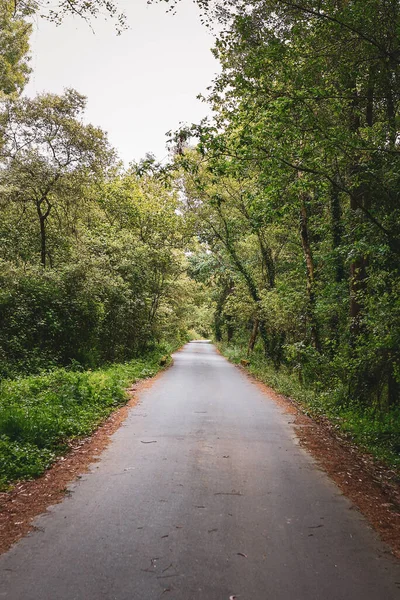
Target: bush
374, 430
40, 413
79, 313
22, 461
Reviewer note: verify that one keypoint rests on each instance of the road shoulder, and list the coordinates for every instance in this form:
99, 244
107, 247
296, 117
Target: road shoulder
28, 499
372, 487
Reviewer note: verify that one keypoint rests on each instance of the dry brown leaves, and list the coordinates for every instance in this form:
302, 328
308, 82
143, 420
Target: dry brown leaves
28, 499
371, 486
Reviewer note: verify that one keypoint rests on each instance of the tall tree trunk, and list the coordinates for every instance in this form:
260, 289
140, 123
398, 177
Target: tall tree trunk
391, 69
355, 307
42, 240
254, 293
393, 393
359, 200
218, 325
339, 270
337, 232
229, 328
305, 240
358, 273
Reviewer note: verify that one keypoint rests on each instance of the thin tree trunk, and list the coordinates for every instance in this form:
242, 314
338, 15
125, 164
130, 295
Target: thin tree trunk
268, 261
251, 284
229, 328
393, 388
42, 221
253, 337
358, 275
43, 241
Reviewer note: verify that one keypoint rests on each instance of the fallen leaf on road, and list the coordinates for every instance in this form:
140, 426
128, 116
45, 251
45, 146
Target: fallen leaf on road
168, 589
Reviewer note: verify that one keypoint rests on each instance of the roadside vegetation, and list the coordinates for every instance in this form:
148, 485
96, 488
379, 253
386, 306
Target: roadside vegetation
375, 432
41, 414
275, 225
94, 290
293, 186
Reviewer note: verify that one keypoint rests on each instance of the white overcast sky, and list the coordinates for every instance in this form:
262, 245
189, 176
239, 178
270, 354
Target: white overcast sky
140, 84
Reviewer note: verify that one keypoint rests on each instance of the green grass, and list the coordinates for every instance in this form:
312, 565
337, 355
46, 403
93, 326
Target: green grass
372, 430
39, 414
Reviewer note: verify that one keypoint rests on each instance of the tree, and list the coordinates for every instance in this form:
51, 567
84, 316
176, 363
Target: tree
15, 31
49, 155
306, 109
84, 9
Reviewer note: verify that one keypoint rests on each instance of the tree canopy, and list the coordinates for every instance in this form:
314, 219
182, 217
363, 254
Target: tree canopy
294, 183
276, 220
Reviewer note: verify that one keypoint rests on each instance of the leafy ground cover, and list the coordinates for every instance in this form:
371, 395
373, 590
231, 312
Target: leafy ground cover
39, 414
374, 430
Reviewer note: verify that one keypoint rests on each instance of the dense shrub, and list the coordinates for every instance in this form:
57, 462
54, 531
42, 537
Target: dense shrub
40, 413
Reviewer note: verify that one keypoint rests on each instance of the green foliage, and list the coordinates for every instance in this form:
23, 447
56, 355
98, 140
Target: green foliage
375, 431
293, 188
92, 258
41, 413
93, 272
84, 9
14, 46
279, 232
22, 461
49, 156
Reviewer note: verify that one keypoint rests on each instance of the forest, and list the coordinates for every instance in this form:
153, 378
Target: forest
273, 229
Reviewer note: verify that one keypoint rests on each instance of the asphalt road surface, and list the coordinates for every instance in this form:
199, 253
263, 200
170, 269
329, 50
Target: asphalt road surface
205, 494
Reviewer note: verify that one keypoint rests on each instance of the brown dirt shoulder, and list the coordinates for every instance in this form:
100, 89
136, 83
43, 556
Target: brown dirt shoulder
371, 486
28, 499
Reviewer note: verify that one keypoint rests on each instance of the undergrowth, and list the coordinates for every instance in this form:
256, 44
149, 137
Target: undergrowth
374, 430
39, 414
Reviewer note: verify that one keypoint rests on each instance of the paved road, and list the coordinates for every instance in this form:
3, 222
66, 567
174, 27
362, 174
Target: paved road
220, 501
